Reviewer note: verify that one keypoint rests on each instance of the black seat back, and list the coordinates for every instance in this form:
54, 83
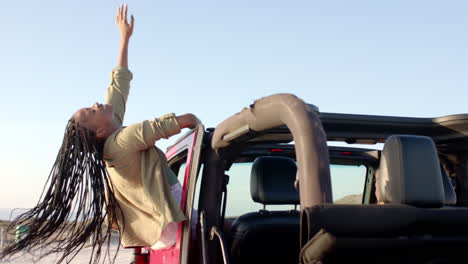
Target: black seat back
269, 236
388, 233
410, 226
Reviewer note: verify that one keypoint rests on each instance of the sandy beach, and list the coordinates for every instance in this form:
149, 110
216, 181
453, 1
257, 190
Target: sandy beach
125, 256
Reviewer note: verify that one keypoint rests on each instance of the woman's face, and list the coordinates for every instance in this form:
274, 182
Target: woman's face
97, 117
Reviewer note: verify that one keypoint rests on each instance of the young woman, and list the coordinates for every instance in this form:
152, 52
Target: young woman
106, 175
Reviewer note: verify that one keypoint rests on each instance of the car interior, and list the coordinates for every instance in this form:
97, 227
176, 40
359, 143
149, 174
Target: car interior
409, 206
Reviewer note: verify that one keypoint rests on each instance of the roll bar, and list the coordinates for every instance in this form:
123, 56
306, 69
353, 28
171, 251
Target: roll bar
308, 134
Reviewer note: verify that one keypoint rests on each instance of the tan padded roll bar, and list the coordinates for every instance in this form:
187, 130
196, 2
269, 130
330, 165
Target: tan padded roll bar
309, 136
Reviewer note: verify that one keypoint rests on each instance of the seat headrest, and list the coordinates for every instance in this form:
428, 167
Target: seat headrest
272, 181
409, 172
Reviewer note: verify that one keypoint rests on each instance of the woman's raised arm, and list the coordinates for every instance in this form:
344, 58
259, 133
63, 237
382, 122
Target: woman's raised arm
126, 31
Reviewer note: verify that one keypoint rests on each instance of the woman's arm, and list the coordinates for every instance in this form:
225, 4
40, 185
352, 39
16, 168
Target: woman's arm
118, 90
126, 31
143, 135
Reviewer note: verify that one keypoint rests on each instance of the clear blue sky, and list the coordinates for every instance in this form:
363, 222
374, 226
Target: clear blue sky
211, 58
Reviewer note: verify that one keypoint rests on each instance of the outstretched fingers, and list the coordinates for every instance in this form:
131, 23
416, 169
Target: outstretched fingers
125, 28
125, 13
118, 15
122, 12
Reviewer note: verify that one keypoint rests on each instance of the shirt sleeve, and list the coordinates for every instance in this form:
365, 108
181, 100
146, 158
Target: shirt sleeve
117, 92
143, 135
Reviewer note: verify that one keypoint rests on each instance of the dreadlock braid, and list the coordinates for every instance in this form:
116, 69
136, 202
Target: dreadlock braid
76, 204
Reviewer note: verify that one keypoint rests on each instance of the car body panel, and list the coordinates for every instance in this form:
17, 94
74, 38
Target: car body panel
178, 253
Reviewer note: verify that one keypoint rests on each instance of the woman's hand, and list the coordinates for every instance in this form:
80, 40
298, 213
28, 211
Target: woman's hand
187, 121
126, 30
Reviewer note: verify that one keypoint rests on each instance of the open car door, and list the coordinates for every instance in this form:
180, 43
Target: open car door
184, 159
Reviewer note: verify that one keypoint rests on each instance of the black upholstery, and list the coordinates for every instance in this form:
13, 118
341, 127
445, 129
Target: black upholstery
411, 227
266, 237
391, 233
269, 236
272, 181
388, 220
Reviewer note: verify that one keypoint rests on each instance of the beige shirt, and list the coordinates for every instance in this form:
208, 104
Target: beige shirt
138, 170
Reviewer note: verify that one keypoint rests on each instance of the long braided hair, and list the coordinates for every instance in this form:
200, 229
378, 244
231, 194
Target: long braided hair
77, 204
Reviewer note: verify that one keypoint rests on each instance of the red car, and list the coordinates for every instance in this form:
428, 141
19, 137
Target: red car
268, 186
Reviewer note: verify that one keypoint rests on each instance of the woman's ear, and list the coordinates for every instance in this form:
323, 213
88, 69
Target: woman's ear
101, 132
